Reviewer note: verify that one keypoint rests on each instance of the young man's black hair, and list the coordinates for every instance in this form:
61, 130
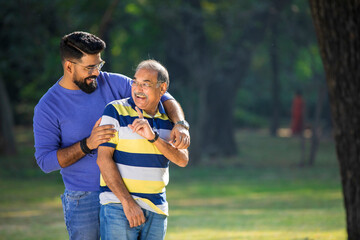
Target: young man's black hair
74, 45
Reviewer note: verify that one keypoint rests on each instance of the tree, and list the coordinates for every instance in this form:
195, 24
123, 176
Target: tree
7, 138
315, 127
24, 55
209, 50
338, 31
190, 33
105, 28
274, 20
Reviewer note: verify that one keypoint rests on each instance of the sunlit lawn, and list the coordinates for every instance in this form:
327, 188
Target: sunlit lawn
261, 195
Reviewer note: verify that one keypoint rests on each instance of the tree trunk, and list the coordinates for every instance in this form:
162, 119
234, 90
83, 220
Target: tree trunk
276, 7
7, 139
315, 128
338, 31
275, 86
105, 29
219, 134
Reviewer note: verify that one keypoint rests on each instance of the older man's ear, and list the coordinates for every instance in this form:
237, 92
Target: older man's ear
163, 88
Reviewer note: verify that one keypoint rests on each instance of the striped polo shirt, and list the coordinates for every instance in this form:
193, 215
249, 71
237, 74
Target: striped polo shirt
145, 171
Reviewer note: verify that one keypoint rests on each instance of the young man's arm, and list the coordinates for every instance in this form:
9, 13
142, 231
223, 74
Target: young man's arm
99, 134
47, 135
180, 135
114, 181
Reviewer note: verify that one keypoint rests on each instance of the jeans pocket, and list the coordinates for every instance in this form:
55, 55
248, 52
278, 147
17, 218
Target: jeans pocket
76, 195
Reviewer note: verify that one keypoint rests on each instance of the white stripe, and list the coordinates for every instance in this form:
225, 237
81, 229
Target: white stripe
127, 133
109, 120
123, 102
164, 134
108, 197
144, 173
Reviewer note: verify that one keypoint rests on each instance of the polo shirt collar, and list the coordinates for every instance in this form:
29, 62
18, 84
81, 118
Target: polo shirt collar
161, 109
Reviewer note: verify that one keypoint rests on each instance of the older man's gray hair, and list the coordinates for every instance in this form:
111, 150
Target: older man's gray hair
163, 75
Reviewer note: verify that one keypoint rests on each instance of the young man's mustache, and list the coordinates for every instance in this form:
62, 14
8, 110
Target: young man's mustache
94, 76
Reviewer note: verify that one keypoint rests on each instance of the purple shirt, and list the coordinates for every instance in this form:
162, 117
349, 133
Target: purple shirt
64, 117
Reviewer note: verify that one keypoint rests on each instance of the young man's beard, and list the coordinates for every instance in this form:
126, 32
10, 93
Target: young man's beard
88, 88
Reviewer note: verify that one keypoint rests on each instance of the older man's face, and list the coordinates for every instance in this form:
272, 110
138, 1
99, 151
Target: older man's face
145, 90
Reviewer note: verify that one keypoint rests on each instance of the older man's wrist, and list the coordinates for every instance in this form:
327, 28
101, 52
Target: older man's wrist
155, 138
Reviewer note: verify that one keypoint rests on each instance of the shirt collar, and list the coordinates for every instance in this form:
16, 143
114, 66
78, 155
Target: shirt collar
161, 109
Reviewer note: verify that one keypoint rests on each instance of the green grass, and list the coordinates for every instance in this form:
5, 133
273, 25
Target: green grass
261, 194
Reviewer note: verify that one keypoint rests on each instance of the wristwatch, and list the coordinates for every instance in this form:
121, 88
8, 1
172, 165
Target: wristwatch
183, 123
155, 138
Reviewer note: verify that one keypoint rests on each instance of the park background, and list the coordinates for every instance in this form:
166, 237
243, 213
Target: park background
234, 66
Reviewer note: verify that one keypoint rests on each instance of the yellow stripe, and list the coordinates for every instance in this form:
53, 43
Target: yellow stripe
137, 146
141, 186
102, 181
129, 111
125, 110
157, 115
150, 204
114, 139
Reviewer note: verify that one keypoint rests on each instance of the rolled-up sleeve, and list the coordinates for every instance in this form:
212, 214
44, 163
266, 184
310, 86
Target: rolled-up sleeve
166, 96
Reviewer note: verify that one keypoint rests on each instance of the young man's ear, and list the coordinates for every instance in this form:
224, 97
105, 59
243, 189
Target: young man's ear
68, 67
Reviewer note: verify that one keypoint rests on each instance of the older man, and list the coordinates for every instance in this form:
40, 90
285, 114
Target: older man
134, 164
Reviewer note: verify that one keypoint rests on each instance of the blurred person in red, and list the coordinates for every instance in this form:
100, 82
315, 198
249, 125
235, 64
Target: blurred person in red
297, 114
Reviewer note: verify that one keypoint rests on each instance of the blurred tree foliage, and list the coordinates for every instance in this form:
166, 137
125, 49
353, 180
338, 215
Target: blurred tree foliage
218, 54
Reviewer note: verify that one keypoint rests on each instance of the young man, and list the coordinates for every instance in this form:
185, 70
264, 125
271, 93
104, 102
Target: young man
67, 132
138, 157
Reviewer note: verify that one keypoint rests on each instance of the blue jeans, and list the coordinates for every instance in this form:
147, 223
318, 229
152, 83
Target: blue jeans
81, 214
114, 225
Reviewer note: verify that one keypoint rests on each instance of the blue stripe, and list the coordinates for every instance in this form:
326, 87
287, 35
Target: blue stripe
104, 189
160, 123
107, 144
153, 122
157, 199
141, 159
124, 121
111, 111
